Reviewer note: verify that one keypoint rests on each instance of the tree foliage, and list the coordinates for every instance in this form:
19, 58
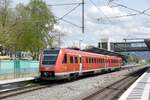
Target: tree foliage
37, 22
27, 27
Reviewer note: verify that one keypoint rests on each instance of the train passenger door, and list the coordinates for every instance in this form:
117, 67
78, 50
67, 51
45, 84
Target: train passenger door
106, 63
81, 66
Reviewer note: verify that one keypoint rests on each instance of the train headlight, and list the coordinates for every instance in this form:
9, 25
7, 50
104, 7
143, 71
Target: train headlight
45, 74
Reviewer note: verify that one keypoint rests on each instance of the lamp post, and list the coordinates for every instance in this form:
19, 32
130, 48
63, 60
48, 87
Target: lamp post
80, 43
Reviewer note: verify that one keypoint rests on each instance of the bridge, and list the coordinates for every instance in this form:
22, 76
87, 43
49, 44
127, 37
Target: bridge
139, 47
130, 46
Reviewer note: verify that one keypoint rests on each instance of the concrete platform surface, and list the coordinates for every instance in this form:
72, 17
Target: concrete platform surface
139, 90
15, 80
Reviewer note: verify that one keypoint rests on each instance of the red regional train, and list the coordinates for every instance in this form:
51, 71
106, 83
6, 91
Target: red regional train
68, 63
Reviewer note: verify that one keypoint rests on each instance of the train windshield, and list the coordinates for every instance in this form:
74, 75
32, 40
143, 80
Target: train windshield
50, 57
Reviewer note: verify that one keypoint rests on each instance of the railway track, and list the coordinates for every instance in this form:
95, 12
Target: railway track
28, 86
114, 91
21, 88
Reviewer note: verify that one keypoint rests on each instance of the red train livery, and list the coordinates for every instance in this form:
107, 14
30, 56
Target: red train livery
68, 63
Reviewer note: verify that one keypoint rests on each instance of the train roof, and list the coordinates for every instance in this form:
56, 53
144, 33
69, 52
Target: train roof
104, 52
95, 50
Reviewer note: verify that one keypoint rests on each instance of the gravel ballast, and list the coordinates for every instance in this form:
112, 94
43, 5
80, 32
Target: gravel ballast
74, 90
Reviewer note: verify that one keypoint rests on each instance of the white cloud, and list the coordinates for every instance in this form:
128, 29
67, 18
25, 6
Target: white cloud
116, 29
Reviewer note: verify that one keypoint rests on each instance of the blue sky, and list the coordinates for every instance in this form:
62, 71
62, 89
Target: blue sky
113, 29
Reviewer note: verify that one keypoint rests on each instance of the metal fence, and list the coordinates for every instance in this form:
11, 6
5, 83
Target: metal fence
18, 68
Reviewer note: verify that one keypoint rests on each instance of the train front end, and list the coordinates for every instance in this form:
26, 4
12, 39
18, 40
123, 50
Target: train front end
48, 60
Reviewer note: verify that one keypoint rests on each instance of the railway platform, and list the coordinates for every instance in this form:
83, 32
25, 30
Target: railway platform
139, 90
15, 80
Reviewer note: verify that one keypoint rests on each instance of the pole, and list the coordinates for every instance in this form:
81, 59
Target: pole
59, 41
125, 45
80, 43
83, 16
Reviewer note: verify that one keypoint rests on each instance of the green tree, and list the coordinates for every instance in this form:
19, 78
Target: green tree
27, 27
7, 22
36, 25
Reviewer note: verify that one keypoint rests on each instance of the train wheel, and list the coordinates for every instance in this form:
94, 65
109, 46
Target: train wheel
73, 76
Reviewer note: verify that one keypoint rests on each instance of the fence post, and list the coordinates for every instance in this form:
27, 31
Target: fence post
17, 68
0, 67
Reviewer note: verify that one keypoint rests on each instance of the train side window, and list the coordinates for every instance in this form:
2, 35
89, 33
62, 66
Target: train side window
92, 60
76, 59
102, 60
65, 59
71, 59
80, 59
87, 60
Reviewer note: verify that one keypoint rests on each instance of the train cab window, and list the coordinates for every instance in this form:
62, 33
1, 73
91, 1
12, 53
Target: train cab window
50, 56
71, 59
76, 59
65, 59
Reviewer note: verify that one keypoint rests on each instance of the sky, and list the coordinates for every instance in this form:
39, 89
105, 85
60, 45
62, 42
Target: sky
113, 29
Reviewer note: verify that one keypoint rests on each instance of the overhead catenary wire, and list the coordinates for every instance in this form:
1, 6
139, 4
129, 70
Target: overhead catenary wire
146, 10
120, 16
69, 22
99, 9
69, 11
67, 4
138, 11
62, 18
